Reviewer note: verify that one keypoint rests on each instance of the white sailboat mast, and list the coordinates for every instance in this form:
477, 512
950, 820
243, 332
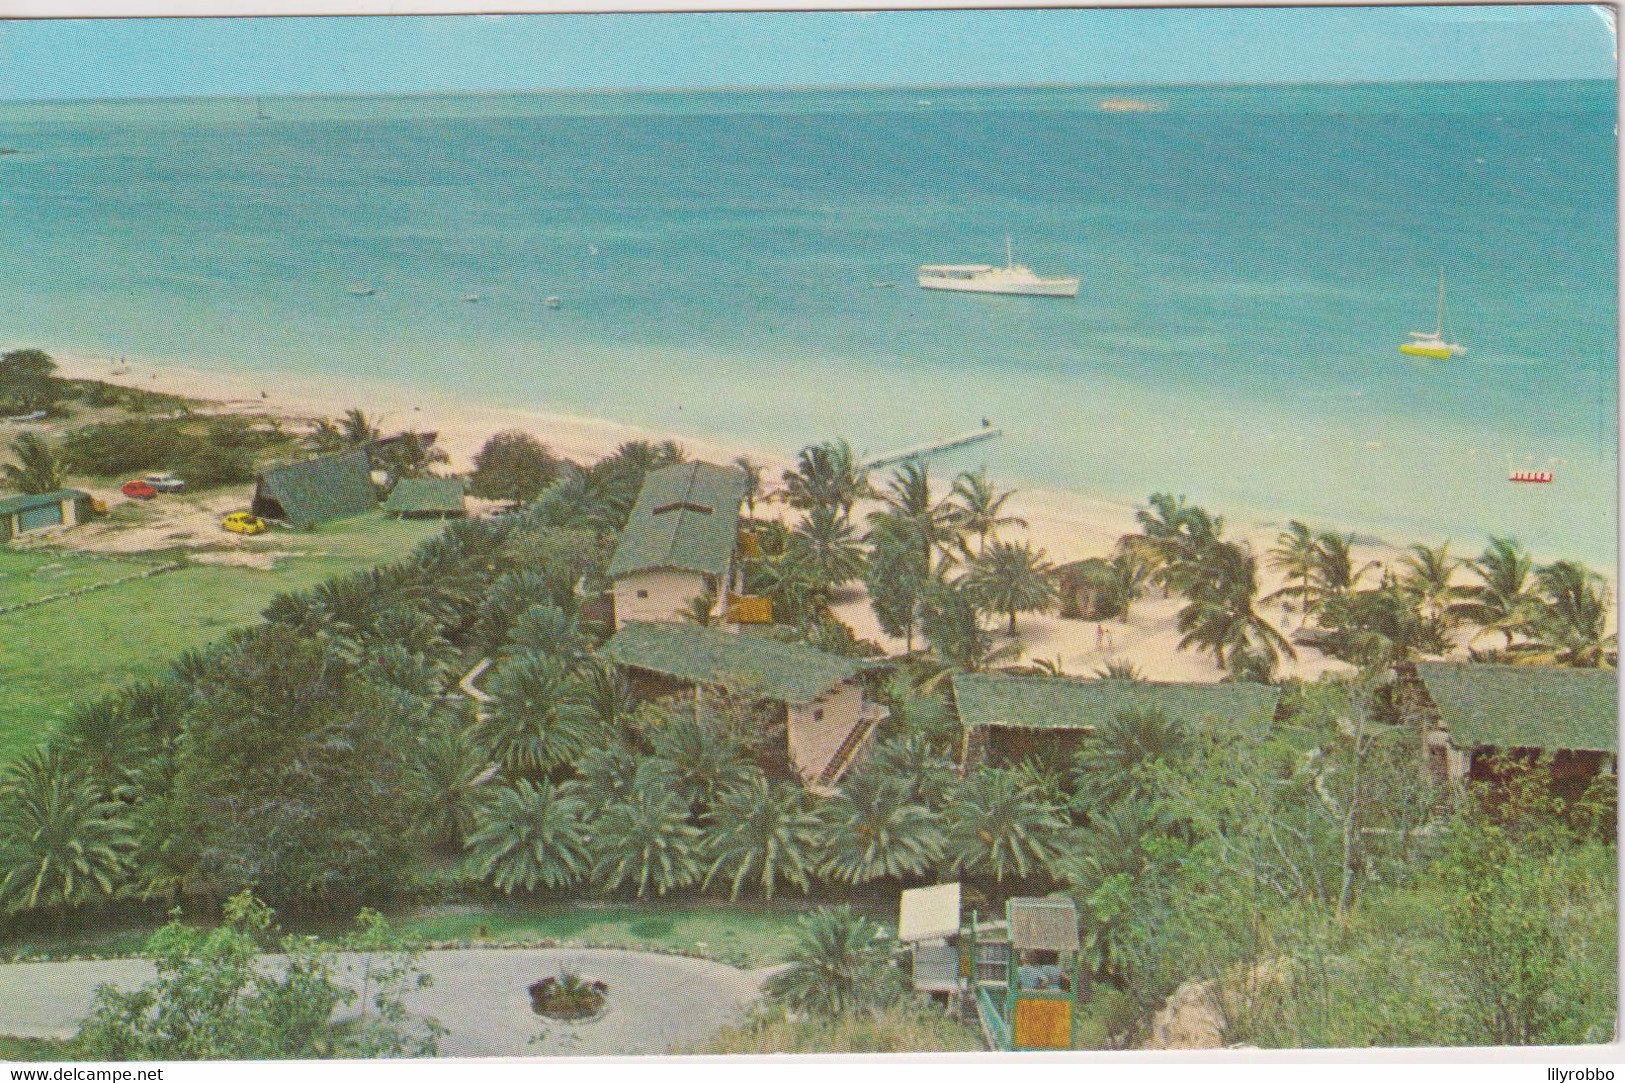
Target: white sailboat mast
1440, 331
1009, 254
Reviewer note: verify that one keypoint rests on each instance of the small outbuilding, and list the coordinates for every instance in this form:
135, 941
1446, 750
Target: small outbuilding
1011, 716
679, 543
427, 498
314, 491
39, 512
818, 696
1475, 712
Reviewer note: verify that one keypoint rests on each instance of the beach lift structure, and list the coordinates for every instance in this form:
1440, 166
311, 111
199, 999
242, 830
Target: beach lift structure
1019, 978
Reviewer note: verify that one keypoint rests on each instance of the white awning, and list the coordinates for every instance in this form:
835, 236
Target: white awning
955, 268
928, 913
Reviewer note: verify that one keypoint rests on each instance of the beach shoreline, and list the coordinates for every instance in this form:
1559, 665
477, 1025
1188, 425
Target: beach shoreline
1067, 525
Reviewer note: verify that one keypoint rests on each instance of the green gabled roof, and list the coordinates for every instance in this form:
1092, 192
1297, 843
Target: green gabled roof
1546, 707
686, 517
323, 488
425, 496
741, 663
13, 504
1004, 699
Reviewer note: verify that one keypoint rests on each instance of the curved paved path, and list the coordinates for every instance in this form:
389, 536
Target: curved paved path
656, 1002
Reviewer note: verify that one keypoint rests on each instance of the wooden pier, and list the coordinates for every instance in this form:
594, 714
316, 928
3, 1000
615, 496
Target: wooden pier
922, 451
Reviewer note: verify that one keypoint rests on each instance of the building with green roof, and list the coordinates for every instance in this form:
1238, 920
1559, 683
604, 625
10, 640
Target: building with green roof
427, 498
1474, 710
818, 696
32, 512
304, 494
679, 542
1017, 714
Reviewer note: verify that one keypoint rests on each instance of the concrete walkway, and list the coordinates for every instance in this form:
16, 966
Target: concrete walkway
657, 1003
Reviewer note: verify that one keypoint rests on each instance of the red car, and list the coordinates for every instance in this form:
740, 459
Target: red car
139, 490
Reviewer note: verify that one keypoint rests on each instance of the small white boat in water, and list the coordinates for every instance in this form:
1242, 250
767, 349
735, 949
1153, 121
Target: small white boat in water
552, 302
471, 298
361, 289
1432, 343
1012, 278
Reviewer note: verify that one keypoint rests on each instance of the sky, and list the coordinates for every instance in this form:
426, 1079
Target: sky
137, 58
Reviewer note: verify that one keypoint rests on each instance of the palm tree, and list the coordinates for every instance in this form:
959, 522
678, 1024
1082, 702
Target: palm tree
1012, 578
839, 963
876, 829
648, 842
894, 583
1118, 669
928, 774
979, 507
1001, 823
62, 842
1335, 572
601, 696
1115, 761
1504, 599
952, 624
1296, 556
1132, 567
358, 428
530, 835
1109, 850
1176, 533
753, 482
706, 758
912, 514
548, 630
1222, 585
1571, 627
824, 543
764, 834
1376, 628
37, 469
827, 475
1428, 579
534, 722
444, 785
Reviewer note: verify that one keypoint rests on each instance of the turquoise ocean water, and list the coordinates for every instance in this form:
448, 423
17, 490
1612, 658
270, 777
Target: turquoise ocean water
1251, 258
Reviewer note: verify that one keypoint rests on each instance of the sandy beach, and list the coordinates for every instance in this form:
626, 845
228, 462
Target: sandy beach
1067, 526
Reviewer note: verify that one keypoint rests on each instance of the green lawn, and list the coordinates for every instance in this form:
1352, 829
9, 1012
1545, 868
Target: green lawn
745, 934
26, 576
748, 933
55, 655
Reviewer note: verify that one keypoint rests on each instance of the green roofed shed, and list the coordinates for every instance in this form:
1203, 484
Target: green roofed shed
413, 497
1060, 703
686, 517
736, 662
1541, 707
316, 490
39, 511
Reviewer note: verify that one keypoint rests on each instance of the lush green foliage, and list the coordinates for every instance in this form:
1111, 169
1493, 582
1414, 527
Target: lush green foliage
217, 998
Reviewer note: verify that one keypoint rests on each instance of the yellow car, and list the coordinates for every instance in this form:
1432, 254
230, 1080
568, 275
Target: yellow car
241, 522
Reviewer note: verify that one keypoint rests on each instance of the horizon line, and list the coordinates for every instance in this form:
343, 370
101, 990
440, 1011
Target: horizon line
804, 88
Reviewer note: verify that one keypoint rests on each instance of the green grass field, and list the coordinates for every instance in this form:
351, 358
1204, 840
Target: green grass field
26, 576
55, 655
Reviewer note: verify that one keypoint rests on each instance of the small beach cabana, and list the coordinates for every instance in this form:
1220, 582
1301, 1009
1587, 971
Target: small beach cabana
38, 512
1010, 716
818, 696
317, 490
1474, 711
679, 542
427, 498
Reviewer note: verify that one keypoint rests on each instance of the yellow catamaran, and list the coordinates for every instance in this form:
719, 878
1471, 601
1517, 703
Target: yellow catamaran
1432, 343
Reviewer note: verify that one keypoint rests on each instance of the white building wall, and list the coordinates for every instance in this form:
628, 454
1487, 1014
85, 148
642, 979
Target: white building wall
658, 595
817, 729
